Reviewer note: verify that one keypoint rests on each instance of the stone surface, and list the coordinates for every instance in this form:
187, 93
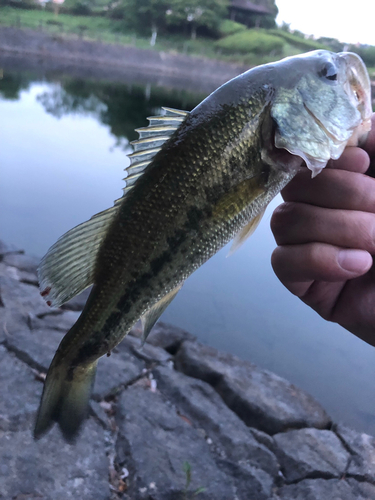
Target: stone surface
6, 248
78, 302
25, 298
20, 393
259, 397
312, 453
159, 419
363, 448
55, 320
202, 406
169, 337
51, 469
154, 446
22, 262
320, 489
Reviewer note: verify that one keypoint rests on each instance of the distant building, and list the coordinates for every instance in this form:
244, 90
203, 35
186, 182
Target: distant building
248, 13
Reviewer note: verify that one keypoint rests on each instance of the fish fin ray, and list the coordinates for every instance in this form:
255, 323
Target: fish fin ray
245, 233
150, 142
153, 314
65, 399
69, 265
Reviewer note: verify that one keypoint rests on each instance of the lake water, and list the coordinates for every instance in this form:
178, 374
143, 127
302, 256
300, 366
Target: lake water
63, 146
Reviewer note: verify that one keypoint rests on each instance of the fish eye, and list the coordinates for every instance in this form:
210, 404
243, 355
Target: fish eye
328, 71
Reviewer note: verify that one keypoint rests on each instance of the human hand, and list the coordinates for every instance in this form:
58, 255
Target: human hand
325, 232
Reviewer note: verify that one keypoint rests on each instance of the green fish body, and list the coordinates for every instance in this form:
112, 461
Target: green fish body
196, 181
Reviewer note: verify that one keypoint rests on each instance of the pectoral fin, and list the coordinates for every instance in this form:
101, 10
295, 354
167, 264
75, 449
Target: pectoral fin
245, 233
152, 315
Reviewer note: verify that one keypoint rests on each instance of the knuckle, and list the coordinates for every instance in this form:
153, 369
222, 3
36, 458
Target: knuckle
284, 215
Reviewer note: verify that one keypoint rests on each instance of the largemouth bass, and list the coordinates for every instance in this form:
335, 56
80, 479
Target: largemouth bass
196, 181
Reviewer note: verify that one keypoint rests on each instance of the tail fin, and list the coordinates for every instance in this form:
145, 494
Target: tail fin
65, 398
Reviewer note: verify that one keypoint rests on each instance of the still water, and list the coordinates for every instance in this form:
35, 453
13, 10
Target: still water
63, 147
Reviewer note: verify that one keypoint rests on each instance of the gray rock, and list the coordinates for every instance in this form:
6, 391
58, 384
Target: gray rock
35, 347
147, 352
5, 248
22, 262
203, 407
169, 337
310, 453
119, 369
319, 489
154, 445
55, 320
362, 446
362, 489
20, 393
53, 470
25, 298
78, 302
260, 398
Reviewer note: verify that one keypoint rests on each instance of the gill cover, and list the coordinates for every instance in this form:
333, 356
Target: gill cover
327, 106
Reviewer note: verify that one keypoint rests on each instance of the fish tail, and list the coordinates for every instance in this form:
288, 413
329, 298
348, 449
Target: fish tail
65, 398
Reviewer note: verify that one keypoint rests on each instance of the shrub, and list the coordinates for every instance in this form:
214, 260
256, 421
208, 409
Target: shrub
255, 41
367, 54
228, 27
298, 41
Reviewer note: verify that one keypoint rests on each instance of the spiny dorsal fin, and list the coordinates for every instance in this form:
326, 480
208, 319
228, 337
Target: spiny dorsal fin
69, 265
153, 314
245, 233
150, 141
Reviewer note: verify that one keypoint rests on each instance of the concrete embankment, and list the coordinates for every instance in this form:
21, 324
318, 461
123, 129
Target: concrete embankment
159, 412
25, 49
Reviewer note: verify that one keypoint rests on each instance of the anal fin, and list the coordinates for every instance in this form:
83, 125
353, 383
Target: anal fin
153, 314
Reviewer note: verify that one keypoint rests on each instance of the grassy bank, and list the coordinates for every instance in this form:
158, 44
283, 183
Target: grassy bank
112, 31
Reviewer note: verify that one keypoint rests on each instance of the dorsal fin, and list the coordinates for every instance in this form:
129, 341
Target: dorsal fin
150, 141
69, 265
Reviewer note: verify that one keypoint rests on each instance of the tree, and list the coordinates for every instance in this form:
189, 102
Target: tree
146, 15
196, 13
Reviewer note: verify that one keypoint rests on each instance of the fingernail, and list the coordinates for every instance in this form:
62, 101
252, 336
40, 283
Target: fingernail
355, 261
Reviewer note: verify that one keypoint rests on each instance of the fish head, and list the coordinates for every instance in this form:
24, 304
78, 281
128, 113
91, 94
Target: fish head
321, 104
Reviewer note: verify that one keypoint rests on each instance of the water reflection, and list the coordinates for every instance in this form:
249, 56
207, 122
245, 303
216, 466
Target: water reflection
62, 154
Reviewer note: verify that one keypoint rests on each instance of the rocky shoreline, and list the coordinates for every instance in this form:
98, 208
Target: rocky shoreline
175, 420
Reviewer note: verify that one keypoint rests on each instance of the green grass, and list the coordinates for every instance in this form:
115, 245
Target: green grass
112, 31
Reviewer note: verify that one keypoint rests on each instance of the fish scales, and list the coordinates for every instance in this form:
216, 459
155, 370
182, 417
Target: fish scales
211, 180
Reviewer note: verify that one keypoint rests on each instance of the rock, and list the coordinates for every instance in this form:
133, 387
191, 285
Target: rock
202, 406
49, 468
36, 347
362, 489
5, 249
119, 369
154, 446
319, 489
147, 352
259, 397
169, 337
78, 302
22, 262
55, 320
362, 446
25, 298
20, 394
310, 453
53, 470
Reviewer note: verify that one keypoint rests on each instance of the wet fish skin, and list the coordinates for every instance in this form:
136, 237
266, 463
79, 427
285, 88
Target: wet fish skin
218, 171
